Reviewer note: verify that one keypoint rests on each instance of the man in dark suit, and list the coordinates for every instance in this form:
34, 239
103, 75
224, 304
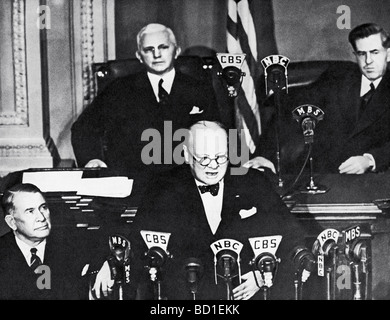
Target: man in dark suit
354, 136
35, 263
240, 205
126, 126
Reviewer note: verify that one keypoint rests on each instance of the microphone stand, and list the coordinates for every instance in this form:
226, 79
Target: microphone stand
277, 133
298, 285
228, 279
156, 283
311, 187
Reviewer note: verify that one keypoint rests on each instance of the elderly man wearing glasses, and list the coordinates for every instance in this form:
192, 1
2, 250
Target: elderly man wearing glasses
199, 204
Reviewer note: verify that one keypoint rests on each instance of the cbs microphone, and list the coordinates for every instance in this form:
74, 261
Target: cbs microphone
156, 257
194, 271
265, 260
266, 263
231, 74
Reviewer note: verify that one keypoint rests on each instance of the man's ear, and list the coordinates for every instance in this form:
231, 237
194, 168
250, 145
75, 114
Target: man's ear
186, 154
178, 51
388, 55
10, 221
137, 54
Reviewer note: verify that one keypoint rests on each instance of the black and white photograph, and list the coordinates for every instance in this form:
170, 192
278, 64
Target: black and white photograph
194, 156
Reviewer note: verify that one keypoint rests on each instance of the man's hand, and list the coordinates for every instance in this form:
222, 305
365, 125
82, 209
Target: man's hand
355, 165
103, 283
249, 287
95, 163
259, 163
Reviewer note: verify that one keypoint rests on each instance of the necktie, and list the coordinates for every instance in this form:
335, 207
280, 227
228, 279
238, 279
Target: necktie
213, 189
162, 93
35, 261
365, 99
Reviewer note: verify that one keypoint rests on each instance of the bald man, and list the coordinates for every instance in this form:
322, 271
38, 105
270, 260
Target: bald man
236, 207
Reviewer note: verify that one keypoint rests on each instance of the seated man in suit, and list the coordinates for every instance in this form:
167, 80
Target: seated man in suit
120, 125
204, 201
354, 136
35, 263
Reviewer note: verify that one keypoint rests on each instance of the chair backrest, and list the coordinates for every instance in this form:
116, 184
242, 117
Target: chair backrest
106, 72
303, 73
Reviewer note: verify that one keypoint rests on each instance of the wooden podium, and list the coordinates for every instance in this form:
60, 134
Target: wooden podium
352, 200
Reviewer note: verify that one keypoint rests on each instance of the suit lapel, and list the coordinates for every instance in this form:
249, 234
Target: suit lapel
193, 205
229, 205
376, 107
149, 107
353, 97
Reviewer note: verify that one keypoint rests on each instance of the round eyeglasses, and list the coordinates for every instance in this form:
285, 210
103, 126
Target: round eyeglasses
205, 161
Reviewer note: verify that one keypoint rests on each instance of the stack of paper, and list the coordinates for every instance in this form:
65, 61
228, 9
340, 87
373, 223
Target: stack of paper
72, 181
116, 187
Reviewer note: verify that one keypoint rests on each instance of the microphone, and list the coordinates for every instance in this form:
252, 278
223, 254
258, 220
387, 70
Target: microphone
119, 261
307, 116
156, 257
304, 263
275, 73
194, 271
227, 262
231, 71
266, 263
303, 259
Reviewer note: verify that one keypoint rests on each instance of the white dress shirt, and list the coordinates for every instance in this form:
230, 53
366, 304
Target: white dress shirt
365, 85
212, 206
25, 248
167, 84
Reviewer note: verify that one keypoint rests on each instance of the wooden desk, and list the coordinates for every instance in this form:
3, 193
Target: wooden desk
351, 200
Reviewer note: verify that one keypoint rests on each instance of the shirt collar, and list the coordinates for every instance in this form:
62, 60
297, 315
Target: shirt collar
167, 84
25, 248
365, 86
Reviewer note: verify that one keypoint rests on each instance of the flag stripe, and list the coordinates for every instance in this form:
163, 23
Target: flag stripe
248, 26
241, 38
246, 48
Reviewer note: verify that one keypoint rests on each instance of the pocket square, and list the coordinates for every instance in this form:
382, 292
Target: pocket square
247, 213
196, 110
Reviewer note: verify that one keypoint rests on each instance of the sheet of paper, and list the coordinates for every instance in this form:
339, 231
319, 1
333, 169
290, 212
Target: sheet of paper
116, 187
54, 181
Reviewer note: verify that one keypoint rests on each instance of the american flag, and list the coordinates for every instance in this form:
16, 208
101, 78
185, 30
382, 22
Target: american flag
241, 38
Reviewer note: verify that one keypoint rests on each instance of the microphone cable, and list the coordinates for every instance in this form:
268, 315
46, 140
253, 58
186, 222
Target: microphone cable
287, 193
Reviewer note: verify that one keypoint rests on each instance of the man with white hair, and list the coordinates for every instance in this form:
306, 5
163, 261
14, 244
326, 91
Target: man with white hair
109, 132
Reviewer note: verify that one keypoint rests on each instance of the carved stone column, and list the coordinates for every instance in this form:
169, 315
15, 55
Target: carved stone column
22, 143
